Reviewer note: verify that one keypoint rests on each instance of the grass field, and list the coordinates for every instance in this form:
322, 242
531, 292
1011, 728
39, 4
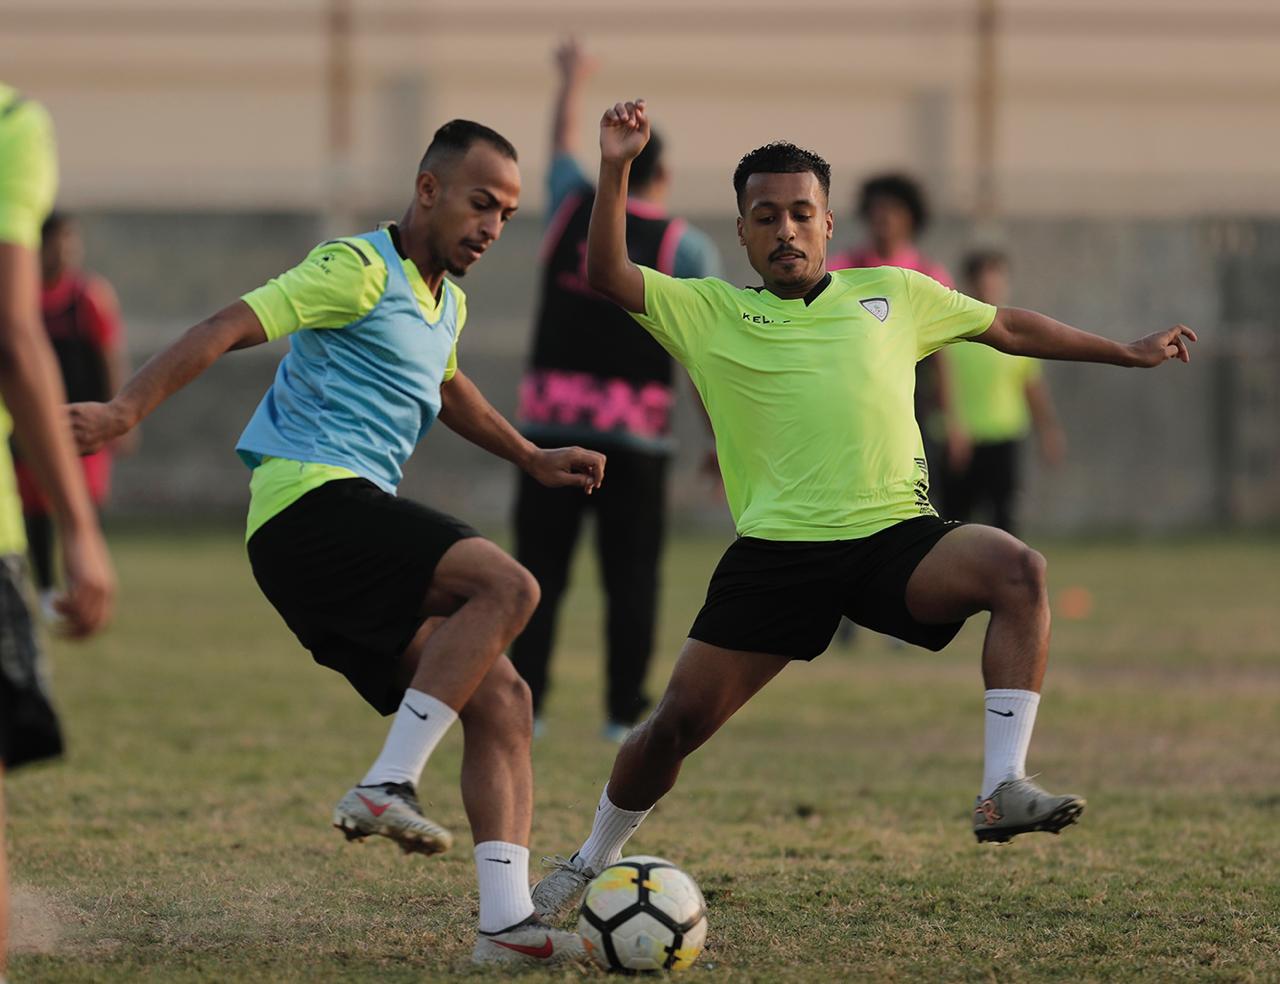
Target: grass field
186, 837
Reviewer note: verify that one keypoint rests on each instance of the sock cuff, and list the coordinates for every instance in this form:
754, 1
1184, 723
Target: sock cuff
505, 848
1025, 696
424, 704
605, 801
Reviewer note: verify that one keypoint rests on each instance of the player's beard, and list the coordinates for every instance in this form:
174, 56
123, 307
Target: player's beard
445, 250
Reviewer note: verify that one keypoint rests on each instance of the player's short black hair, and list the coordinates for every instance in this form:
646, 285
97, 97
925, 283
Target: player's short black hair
645, 167
780, 157
977, 260
56, 222
456, 137
901, 188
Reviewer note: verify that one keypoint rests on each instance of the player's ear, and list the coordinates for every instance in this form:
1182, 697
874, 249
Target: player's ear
831, 224
742, 240
428, 188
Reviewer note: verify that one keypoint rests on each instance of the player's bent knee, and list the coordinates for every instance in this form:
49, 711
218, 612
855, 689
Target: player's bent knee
1027, 580
503, 700
516, 589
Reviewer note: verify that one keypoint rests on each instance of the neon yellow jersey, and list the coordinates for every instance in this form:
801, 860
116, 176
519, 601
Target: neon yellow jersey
28, 168
338, 283
990, 391
28, 184
278, 483
811, 399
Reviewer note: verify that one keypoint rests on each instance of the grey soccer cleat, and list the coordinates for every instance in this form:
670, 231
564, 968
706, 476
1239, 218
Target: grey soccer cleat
531, 943
1019, 806
391, 810
559, 891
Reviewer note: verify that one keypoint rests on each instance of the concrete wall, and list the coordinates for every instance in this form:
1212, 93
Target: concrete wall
1154, 107
1183, 447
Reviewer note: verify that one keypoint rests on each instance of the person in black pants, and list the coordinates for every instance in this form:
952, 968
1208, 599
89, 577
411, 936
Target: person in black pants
597, 375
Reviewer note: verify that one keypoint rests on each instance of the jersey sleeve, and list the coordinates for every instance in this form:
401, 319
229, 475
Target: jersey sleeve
679, 313
563, 179
28, 172
696, 255
942, 315
338, 283
451, 367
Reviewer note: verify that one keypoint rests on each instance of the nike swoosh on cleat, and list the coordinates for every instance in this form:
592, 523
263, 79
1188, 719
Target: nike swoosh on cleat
499, 860
374, 808
538, 952
415, 710
1003, 714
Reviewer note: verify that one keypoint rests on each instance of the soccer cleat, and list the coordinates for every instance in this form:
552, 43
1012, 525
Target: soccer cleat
390, 809
531, 942
1019, 806
559, 891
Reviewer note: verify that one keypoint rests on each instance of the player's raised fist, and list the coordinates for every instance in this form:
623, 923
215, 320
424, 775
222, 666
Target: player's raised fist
1161, 346
624, 130
574, 63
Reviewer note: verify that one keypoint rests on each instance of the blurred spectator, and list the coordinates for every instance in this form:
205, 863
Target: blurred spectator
895, 211
82, 318
996, 398
596, 378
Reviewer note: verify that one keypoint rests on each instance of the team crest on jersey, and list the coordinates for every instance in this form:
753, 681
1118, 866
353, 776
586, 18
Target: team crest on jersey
878, 306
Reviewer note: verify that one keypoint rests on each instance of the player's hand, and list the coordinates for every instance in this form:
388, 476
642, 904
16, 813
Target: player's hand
1161, 346
624, 130
89, 596
94, 425
574, 63
557, 467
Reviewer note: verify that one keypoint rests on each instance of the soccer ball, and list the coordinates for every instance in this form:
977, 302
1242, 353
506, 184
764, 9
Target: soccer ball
643, 913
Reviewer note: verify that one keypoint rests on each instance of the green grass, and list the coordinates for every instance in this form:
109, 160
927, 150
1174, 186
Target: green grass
186, 837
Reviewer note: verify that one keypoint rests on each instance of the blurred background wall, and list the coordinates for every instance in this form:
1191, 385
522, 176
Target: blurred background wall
1127, 155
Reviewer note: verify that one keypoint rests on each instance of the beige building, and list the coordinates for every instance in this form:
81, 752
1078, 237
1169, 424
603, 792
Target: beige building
1146, 107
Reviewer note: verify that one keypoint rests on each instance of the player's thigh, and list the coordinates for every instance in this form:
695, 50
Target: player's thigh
964, 573
709, 684
475, 567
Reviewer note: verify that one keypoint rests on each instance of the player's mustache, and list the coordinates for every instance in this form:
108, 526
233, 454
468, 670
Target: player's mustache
786, 251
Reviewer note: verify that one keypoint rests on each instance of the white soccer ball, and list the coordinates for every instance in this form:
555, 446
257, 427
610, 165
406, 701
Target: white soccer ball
643, 913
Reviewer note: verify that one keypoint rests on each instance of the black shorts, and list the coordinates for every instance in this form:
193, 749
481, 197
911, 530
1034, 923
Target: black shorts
29, 728
348, 567
786, 597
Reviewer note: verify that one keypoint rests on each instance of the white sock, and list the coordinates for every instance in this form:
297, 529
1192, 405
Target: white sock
415, 732
503, 872
611, 829
1010, 718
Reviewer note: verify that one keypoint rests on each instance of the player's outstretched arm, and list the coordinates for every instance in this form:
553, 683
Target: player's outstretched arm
1022, 332
234, 327
624, 130
465, 411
